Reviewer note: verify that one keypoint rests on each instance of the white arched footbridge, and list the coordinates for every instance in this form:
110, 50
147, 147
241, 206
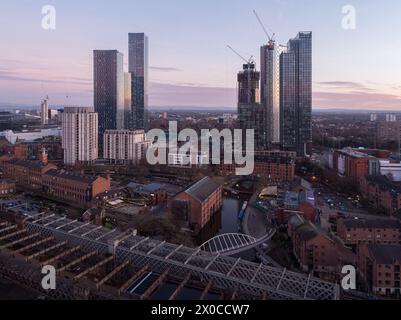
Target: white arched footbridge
233, 243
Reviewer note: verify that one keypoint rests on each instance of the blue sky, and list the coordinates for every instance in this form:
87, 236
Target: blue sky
190, 63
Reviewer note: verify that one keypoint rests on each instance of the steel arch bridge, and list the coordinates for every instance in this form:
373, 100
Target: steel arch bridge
233, 243
250, 279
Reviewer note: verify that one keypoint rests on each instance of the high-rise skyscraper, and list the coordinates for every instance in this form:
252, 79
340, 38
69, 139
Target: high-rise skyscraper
79, 135
108, 79
270, 89
44, 112
138, 61
296, 94
127, 99
251, 113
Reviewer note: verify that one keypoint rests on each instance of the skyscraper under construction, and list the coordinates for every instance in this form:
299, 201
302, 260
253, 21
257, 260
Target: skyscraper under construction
251, 114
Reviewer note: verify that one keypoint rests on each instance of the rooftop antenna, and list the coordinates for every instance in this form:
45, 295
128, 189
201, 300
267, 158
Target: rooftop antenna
271, 38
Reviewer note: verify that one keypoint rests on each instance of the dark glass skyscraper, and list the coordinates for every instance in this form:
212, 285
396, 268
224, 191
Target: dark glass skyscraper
138, 61
108, 77
296, 94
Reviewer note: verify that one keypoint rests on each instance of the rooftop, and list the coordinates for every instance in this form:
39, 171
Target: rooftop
384, 183
202, 189
385, 254
27, 164
71, 176
354, 153
373, 223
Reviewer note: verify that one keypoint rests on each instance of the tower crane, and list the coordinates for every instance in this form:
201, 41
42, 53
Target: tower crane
271, 38
249, 61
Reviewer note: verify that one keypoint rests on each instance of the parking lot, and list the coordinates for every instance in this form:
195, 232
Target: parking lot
31, 206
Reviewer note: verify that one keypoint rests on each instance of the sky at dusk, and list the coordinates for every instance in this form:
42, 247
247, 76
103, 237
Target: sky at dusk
190, 64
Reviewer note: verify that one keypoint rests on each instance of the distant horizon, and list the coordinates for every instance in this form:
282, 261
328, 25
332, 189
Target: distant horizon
8, 106
192, 66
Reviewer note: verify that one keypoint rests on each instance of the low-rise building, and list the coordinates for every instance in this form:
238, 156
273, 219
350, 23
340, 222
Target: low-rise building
303, 202
73, 188
351, 163
356, 232
151, 194
381, 193
7, 187
277, 166
388, 168
26, 174
316, 251
379, 268
195, 206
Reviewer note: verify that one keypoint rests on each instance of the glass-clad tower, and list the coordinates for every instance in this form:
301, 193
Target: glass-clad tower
270, 90
108, 76
296, 94
138, 61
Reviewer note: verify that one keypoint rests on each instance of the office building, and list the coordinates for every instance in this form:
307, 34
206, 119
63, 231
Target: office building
270, 89
138, 61
296, 94
80, 135
108, 90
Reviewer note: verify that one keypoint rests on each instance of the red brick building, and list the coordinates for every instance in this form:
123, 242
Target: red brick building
196, 205
278, 166
316, 251
381, 193
379, 267
26, 174
7, 187
351, 163
71, 187
358, 232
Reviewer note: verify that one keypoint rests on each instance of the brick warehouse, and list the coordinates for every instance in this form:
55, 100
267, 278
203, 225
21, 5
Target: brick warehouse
71, 187
196, 205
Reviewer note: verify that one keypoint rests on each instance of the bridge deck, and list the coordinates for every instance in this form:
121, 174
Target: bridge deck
252, 279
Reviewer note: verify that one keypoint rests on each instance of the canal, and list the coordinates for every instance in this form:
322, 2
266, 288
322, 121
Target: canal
226, 221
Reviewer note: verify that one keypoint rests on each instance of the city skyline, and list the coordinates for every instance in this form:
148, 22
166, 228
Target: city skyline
186, 72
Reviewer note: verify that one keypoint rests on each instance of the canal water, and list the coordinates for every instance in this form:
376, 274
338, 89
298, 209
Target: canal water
226, 221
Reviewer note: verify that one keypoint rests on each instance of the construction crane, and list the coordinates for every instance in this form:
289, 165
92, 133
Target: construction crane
271, 38
249, 61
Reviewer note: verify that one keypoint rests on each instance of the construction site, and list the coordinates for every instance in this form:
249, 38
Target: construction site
94, 263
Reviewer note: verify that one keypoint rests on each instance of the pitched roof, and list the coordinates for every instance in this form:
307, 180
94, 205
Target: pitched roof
372, 223
202, 189
384, 253
71, 176
27, 164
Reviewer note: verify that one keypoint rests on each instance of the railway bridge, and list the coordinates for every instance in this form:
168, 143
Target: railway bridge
66, 244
